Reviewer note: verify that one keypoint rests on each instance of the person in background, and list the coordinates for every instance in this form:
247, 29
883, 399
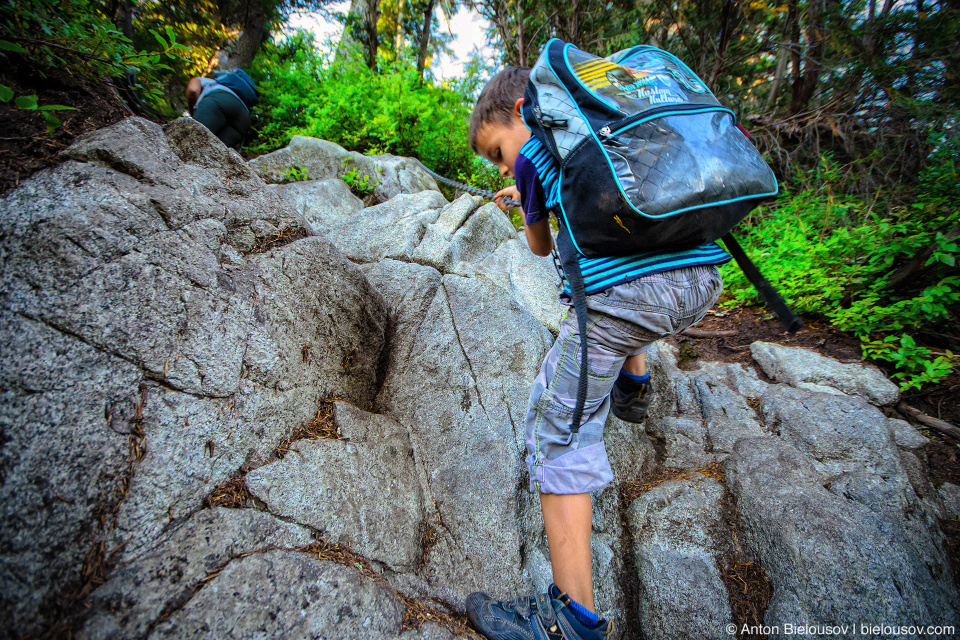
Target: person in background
222, 104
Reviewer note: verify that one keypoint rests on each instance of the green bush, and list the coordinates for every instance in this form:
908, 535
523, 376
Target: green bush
29, 103
362, 185
304, 91
834, 257
74, 36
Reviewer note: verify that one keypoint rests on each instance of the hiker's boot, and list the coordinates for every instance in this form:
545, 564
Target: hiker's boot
546, 616
629, 400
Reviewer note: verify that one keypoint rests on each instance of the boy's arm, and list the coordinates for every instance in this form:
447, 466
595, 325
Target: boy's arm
538, 233
193, 92
535, 214
538, 237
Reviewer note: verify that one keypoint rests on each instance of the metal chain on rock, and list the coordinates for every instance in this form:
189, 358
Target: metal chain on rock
489, 195
474, 191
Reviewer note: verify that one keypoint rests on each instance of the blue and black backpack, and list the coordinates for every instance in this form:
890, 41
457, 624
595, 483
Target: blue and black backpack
648, 160
238, 81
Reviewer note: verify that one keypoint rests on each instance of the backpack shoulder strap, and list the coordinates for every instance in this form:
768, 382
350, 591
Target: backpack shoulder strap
770, 295
571, 269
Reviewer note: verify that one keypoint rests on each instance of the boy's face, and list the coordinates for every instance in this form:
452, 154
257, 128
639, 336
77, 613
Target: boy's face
500, 143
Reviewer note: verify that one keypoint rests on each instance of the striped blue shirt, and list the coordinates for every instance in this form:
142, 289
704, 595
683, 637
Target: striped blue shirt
538, 180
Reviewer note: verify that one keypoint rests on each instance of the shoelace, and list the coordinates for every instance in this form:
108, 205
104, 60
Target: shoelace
528, 606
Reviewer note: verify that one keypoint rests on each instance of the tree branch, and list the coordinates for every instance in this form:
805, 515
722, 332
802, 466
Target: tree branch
701, 333
934, 423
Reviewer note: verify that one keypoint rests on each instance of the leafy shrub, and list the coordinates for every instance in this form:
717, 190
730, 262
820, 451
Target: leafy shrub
360, 184
296, 174
832, 256
304, 91
29, 103
75, 36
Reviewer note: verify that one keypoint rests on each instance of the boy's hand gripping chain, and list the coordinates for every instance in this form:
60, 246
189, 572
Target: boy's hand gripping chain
474, 191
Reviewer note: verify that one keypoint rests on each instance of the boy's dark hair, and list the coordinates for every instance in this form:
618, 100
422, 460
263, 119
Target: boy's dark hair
496, 101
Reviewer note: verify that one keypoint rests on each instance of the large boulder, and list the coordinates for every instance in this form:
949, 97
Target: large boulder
676, 535
196, 342
310, 158
362, 489
317, 159
321, 203
168, 573
353, 382
281, 594
391, 230
464, 232
531, 280
839, 433
697, 416
832, 560
401, 175
809, 370
462, 356
64, 418
857, 451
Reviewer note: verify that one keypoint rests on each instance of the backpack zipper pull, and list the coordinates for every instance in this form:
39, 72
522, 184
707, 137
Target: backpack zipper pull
548, 121
605, 133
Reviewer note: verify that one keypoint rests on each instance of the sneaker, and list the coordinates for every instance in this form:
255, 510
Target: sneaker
542, 617
631, 406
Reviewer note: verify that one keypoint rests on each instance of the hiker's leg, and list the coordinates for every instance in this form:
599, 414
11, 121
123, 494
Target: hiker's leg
636, 364
230, 137
560, 461
568, 520
238, 123
631, 393
210, 114
225, 116
566, 466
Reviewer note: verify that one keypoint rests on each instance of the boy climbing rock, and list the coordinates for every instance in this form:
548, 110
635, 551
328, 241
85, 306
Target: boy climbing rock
632, 301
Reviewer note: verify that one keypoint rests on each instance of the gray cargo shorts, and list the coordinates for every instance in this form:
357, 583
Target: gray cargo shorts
621, 321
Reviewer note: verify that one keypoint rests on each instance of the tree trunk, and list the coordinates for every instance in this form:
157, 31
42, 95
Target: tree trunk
805, 83
122, 11
243, 51
782, 56
349, 37
398, 41
567, 23
425, 38
725, 29
521, 48
795, 58
575, 23
869, 26
361, 30
373, 16
498, 13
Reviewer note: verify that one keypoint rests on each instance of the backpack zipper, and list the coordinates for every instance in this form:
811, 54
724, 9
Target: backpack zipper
607, 132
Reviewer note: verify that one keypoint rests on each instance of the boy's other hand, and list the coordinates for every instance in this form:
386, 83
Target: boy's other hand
509, 192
